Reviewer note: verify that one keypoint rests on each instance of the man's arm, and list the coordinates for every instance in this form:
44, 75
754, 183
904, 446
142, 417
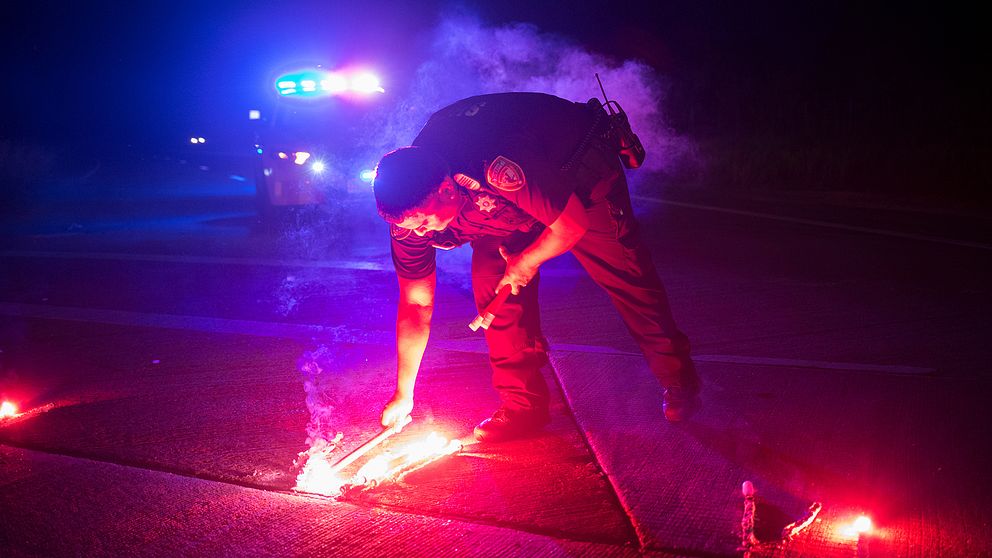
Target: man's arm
413, 327
554, 241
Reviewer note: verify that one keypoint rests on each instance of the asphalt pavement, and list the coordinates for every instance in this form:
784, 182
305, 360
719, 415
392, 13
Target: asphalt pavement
153, 334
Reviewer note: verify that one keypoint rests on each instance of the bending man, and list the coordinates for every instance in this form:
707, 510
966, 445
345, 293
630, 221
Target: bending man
522, 177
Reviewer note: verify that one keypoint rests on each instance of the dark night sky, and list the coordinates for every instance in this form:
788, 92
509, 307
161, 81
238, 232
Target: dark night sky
138, 73
107, 73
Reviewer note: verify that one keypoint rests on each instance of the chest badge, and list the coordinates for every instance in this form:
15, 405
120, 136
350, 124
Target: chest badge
486, 204
505, 175
467, 182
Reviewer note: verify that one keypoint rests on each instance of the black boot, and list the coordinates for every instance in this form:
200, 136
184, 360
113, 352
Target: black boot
509, 424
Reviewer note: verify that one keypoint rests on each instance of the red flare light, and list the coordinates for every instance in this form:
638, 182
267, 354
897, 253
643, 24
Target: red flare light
860, 526
405, 459
321, 476
7, 409
318, 477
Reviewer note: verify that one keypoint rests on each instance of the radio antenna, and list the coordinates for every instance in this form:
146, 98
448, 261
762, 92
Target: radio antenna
606, 100
631, 150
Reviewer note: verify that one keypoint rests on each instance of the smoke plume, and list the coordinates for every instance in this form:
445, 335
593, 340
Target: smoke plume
468, 57
316, 369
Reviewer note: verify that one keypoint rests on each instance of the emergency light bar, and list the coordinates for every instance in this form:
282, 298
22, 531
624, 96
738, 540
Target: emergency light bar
318, 83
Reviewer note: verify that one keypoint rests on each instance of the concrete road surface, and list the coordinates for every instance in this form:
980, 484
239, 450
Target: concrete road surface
154, 344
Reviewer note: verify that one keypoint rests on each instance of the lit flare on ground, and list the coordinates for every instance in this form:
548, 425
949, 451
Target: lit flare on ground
318, 475
862, 525
405, 459
7, 409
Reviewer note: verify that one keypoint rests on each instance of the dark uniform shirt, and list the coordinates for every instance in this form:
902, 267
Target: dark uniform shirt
509, 154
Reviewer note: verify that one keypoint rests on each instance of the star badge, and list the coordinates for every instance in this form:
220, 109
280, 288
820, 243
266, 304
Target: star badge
486, 204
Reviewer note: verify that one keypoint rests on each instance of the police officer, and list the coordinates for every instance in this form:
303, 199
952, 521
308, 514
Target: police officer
522, 177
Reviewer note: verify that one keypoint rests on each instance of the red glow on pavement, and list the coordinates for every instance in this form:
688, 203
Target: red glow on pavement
7, 409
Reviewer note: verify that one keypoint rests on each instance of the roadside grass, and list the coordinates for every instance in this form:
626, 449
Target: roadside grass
22, 167
932, 173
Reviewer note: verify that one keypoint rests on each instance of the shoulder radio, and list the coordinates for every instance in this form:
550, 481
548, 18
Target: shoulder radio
629, 146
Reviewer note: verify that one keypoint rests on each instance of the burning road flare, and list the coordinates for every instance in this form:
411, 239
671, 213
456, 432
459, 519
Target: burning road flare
320, 476
749, 541
404, 460
368, 446
7, 410
796, 527
317, 476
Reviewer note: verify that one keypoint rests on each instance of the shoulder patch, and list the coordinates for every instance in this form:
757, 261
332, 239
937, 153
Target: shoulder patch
506, 175
467, 182
398, 233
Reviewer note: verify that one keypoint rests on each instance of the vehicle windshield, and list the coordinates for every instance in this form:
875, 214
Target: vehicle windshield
306, 123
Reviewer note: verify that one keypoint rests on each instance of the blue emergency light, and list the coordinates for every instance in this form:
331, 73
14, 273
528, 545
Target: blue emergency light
319, 83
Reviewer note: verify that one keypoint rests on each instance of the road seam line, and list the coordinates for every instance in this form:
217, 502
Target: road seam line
614, 488
345, 334
214, 260
818, 223
355, 265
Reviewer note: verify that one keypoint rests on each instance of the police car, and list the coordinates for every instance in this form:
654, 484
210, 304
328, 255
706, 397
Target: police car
305, 144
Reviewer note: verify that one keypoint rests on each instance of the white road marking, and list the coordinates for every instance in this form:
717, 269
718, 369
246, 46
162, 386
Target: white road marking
819, 364
345, 334
550, 271
284, 330
479, 346
212, 260
817, 223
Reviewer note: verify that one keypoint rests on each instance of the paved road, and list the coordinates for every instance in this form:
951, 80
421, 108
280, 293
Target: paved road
158, 338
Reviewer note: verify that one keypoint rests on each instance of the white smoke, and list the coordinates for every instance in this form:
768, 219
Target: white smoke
468, 57
317, 368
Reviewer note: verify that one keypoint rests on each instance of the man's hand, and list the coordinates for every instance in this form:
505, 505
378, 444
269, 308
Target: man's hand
518, 272
398, 408
555, 240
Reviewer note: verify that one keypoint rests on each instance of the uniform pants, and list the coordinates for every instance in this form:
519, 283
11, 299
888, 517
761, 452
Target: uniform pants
517, 350
613, 254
